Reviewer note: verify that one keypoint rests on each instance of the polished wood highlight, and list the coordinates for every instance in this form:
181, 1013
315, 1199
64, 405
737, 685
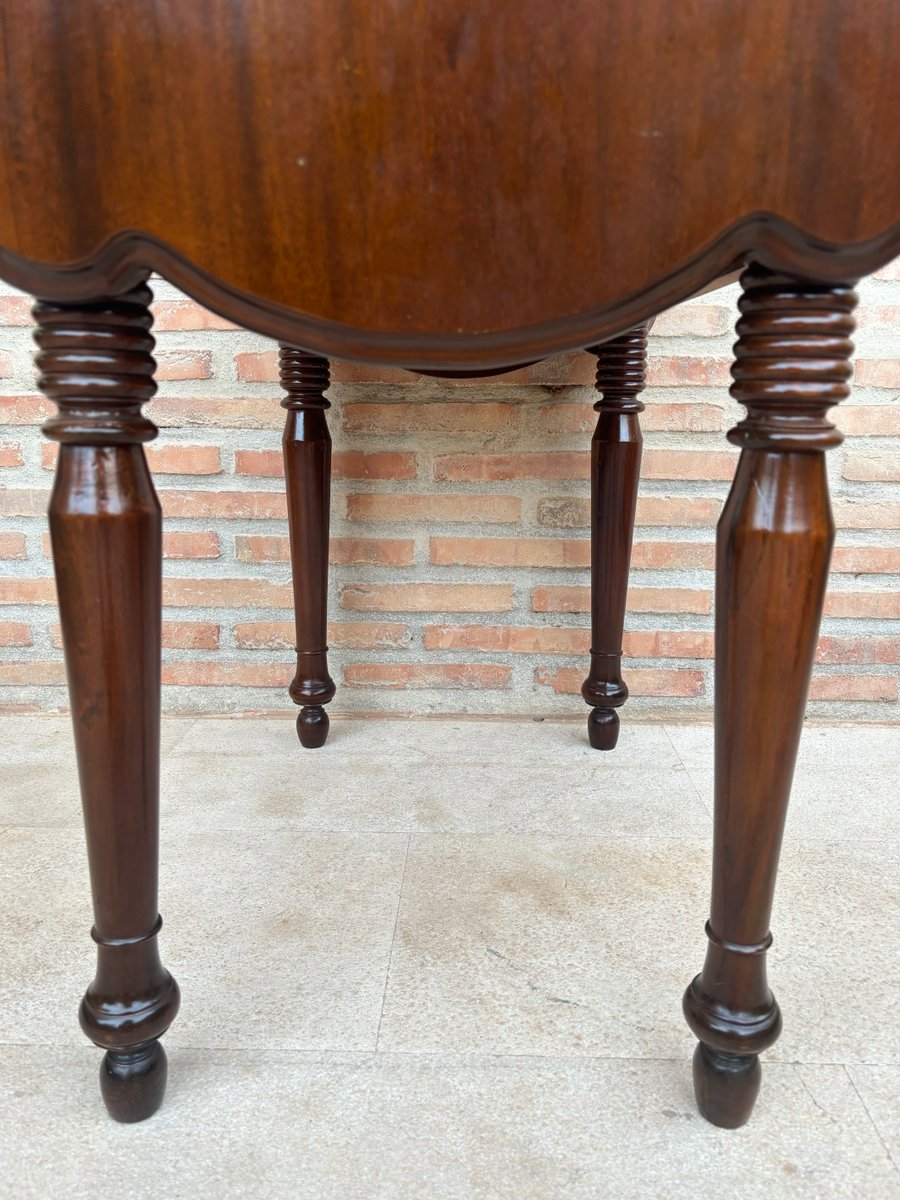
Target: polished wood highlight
615, 471
96, 364
307, 470
443, 185
774, 544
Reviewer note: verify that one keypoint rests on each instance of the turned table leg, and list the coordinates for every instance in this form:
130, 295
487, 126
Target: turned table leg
307, 470
774, 544
105, 525
615, 470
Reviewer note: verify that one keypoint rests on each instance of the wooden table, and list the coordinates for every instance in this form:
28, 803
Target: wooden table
454, 188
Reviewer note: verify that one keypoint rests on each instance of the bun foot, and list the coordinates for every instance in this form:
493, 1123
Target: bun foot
133, 1082
603, 728
312, 726
726, 1086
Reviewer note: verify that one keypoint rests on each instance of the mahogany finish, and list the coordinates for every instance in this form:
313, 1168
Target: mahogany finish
307, 470
774, 545
383, 182
453, 188
615, 470
106, 529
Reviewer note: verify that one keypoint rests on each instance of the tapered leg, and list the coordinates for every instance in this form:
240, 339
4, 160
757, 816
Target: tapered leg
774, 544
105, 526
615, 470
307, 469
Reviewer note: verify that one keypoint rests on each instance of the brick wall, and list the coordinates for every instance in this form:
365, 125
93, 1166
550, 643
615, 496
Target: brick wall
460, 526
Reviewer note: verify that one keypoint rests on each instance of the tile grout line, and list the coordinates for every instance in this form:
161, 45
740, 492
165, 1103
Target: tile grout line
690, 778
872, 1120
387, 974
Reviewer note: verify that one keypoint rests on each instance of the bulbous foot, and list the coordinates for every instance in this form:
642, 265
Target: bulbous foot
133, 1082
312, 726
726, 1086
603, 728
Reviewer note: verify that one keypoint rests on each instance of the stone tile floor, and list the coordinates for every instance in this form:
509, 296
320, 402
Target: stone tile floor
444, 958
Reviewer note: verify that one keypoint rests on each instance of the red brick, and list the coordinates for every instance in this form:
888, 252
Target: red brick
885, 316
640, 599
344, 635
174, 315
263, 368
15, 310
843, 651
665, 371
562, 370
162, 460
14, 633
872, 468
214, 673
559, 420
853, 687
25, 410
179, 544
878, 605
258, 506
689, 464
467, 509
862, 560
184, 460
545, 639
574, 512
34, 673
867, 420
511, 552
866, 514
220, 412
694, 320
469, 468
183, 364
422, 417
878, 372
257, 368
428, 597
565, 552
226, 593
386, 552
641, 682
347, 372
176, 635
13, 545
349, 464
28, 591
457, 676
11, 454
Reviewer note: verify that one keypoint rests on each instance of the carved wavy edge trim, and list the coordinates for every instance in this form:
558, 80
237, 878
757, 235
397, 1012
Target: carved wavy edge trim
128, 257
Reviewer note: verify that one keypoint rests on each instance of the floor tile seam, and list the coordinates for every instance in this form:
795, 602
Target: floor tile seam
707, 808
474, 1056
872, 1121
387, 973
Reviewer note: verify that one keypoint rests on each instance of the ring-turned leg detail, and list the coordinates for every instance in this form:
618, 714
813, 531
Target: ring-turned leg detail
773, 549
307, 470
106, 529
615, 471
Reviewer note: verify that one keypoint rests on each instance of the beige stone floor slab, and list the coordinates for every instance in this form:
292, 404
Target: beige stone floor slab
510, 917
291, 1126
518, 944
417, 739
432, 792
275, 940
879, 1090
